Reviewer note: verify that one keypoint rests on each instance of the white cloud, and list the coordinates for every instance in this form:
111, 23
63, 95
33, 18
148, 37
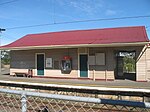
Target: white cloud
88, 7
7, 16
110, 12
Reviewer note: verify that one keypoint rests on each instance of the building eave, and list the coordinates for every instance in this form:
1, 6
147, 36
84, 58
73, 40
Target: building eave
75, 46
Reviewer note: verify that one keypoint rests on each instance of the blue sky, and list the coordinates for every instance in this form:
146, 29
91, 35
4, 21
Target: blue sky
32, 12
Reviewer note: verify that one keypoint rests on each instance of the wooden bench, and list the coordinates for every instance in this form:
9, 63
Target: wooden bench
23, 74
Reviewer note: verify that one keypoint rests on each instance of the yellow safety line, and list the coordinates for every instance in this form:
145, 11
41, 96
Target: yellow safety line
89, 85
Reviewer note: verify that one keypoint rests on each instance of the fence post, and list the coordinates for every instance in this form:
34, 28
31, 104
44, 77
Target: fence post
105, 75
93, 75
23, 103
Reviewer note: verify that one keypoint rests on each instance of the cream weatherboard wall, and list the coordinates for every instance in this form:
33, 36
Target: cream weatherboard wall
22, 60
148, 63
106, 71
141, 66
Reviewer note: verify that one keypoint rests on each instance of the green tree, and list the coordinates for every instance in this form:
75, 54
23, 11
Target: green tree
5, 57
129, 64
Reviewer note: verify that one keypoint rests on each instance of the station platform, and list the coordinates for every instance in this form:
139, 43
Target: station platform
117, 87
80, 82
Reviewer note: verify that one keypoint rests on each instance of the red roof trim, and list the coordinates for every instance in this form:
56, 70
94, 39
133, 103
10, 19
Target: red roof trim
81, 37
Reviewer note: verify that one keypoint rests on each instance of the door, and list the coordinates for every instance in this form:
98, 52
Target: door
40, 64
83, 66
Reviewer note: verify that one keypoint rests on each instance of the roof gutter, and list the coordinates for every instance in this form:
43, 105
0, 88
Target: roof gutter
75, 46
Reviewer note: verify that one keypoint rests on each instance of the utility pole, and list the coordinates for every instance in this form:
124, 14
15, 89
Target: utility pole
1, 30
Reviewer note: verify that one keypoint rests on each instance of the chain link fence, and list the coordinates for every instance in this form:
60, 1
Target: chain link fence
25, 101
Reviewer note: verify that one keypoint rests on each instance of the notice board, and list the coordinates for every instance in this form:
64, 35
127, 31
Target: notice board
100, 58
49, 63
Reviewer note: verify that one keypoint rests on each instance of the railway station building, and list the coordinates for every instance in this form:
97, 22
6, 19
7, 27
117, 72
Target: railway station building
94, 54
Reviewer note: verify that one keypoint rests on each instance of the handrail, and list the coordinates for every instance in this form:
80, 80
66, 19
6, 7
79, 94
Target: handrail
78, 98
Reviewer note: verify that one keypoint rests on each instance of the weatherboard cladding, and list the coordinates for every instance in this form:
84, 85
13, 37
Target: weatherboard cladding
81, 37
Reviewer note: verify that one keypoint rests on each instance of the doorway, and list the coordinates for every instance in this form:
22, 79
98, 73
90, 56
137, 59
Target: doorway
83, 65
40, 64
126, 65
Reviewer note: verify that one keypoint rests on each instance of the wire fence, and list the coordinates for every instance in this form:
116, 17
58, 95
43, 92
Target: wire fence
25, 101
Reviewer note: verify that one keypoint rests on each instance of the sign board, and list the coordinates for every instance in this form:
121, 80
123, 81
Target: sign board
91, 60
100, 58
49, 63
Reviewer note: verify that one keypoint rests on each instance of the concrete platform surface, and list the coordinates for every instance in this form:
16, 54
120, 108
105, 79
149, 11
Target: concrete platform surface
80, 82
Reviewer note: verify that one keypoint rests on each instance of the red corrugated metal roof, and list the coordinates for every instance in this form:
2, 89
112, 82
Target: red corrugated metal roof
81, 37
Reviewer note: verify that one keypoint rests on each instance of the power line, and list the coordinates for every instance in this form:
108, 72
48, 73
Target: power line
8, 36
8, 2
79, 21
